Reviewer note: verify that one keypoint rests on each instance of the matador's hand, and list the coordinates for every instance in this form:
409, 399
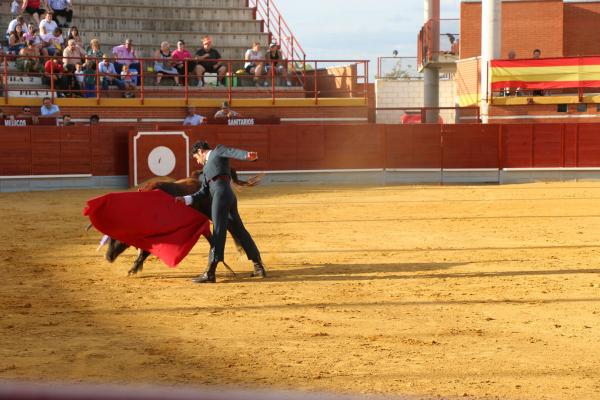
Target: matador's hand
252, 156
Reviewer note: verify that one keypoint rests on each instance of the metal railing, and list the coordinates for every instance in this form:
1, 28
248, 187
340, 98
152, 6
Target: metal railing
277, 28
448, 44
286, 79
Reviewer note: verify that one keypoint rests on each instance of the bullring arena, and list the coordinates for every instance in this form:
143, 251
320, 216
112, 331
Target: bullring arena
476, 291
429, 225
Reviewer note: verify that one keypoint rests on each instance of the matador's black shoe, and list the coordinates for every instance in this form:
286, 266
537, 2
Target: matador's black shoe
209, 276
259, 270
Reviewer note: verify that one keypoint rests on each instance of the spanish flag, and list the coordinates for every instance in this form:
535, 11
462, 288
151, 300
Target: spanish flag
547, 73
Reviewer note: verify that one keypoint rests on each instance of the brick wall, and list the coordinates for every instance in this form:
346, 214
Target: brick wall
526, 25
468, 81
407, 93
581, 29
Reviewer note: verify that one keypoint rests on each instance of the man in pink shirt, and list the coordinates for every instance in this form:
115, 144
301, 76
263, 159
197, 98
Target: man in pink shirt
125, 55
179, 56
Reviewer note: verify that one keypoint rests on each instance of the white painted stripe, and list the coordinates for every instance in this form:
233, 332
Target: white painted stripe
45, 176
569, 116
316, 119
553, 169
311, 171
413, 169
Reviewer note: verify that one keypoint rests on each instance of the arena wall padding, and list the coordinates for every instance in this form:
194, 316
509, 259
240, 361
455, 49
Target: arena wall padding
104, 150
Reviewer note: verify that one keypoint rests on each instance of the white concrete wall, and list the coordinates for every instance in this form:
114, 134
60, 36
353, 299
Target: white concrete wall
410, 93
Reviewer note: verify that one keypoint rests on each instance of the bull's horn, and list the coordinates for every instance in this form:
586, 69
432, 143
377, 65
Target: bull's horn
103, 242
87, 228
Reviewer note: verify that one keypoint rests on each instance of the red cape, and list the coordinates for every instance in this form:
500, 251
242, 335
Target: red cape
152, 221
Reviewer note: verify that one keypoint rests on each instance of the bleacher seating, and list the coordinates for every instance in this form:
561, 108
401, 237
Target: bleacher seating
149, 22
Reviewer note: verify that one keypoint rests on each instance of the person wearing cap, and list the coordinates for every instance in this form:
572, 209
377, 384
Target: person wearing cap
216, 180
225, 112
275, 61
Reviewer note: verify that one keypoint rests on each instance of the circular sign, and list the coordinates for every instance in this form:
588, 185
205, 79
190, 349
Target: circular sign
161, 161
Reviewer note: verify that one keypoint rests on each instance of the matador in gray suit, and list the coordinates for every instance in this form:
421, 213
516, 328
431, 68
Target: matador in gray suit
216, 183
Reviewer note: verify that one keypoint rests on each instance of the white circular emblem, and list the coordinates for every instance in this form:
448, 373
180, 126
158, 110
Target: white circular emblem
161, 161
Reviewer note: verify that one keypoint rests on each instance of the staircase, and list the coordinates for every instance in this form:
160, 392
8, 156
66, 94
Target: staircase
149, 22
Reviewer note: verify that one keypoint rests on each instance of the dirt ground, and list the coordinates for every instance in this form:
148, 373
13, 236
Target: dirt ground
461, 291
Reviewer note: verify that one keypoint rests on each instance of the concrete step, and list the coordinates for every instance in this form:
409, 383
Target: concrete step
86, 24
168, 3
184, 15
144, 39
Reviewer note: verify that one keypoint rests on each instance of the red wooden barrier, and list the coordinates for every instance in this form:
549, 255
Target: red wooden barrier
103, 150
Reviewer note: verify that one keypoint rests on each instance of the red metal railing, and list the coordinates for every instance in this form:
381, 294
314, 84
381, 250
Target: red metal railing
277, 28
429, 50
291, 80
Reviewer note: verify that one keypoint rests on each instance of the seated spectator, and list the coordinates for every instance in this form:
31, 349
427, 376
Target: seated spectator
165, 65
537, 54
34, 36
20, 20
3, 115
14, 7
255, 63
29, 59
66, 120
53, 42
275, 61
94, 119
207, 52
47, 25
94, 49
32, 7
108, 74
48, 109
179, 56
128, 76
16, 40
125, 55
53, 75
72, 54
89, 77
225, 112
74, 34
27, 114
191, 118
62, 8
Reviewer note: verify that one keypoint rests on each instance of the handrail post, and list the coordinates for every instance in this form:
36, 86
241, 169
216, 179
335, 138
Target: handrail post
52, 80
142, 81
185, 82
230, 81
97, 81
366, 81
315, 85
5, 77
272, 82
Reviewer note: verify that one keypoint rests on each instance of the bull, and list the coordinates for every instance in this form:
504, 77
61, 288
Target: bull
179, 188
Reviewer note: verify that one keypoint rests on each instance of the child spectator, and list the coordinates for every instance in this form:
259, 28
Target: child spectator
165, 65
207, 52
89, 77
32, 7
54, 42
79, 74
128, 77
255, 63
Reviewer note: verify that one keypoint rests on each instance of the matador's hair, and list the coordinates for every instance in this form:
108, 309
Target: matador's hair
200, 145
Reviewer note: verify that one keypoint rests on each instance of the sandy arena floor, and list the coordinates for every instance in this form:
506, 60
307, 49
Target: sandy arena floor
474, 291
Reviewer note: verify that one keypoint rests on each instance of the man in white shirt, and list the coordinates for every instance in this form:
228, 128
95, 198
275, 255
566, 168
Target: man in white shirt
47, 25
191, 118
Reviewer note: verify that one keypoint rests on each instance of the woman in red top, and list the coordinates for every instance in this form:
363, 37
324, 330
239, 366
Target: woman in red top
32, 7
